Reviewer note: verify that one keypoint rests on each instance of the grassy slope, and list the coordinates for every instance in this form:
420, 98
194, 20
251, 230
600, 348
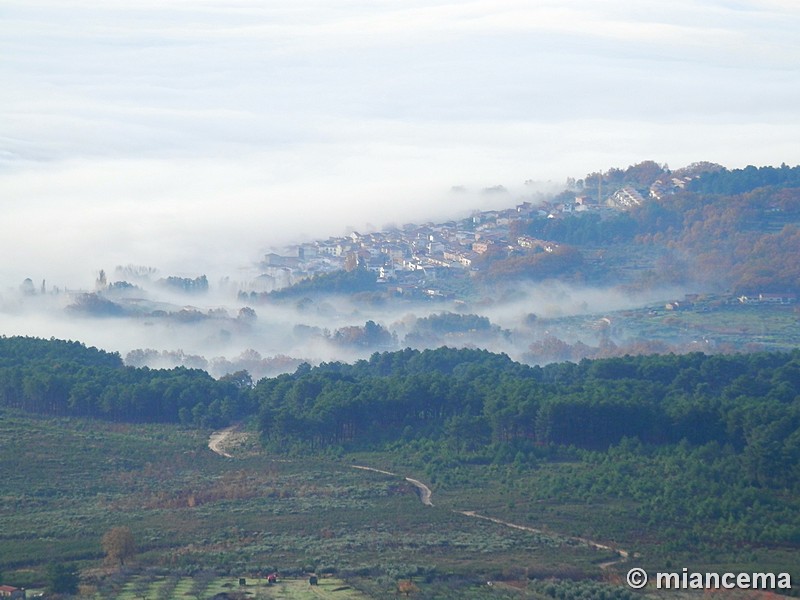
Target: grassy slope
65, 482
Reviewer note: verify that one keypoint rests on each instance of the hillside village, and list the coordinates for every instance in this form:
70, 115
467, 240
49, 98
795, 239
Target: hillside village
582, 234
416, 259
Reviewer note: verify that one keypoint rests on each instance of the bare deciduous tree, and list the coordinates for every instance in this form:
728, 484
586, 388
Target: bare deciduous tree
118, 544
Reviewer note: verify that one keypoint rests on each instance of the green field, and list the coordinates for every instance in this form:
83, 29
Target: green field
139, 587
738, 326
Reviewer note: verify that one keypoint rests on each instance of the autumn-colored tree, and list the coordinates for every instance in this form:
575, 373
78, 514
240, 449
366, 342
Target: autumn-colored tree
407, 587
118, 544
644, 173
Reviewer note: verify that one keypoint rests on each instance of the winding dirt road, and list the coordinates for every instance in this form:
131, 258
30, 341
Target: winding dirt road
423, 491
216, 443
217, 440
623, 554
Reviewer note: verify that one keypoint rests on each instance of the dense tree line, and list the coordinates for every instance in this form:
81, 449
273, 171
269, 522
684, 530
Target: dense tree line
433, 330
473, 399
738, 181
67, 378
338, 282
198, 285
448, 322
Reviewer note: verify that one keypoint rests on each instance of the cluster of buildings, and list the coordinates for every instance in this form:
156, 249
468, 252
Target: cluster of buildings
664, 186
415, 254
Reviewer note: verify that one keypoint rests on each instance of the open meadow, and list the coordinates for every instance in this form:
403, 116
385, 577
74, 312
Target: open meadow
201, 521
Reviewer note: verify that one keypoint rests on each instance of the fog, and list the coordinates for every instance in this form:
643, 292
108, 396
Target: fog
192, 137
161, 328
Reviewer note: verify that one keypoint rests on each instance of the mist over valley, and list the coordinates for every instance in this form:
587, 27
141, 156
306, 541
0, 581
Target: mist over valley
198, 140
561, 275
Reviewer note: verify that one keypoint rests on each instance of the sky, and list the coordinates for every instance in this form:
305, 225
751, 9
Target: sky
192, 136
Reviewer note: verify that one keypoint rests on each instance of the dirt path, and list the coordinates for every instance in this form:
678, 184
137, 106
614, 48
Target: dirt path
216, 442
374, 470
475, 515
218, 439
623, 554
423, 491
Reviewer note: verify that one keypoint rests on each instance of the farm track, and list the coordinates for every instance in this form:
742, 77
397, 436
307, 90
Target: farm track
623, 554
423, 491
216, 442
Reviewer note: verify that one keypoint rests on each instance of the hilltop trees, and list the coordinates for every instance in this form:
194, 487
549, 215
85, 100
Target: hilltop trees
198, 285
640, 176
339, 282
748, 402
738, 181
67, 378
643, 174
371, 335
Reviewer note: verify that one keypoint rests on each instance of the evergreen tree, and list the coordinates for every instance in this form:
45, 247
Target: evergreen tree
62, 579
